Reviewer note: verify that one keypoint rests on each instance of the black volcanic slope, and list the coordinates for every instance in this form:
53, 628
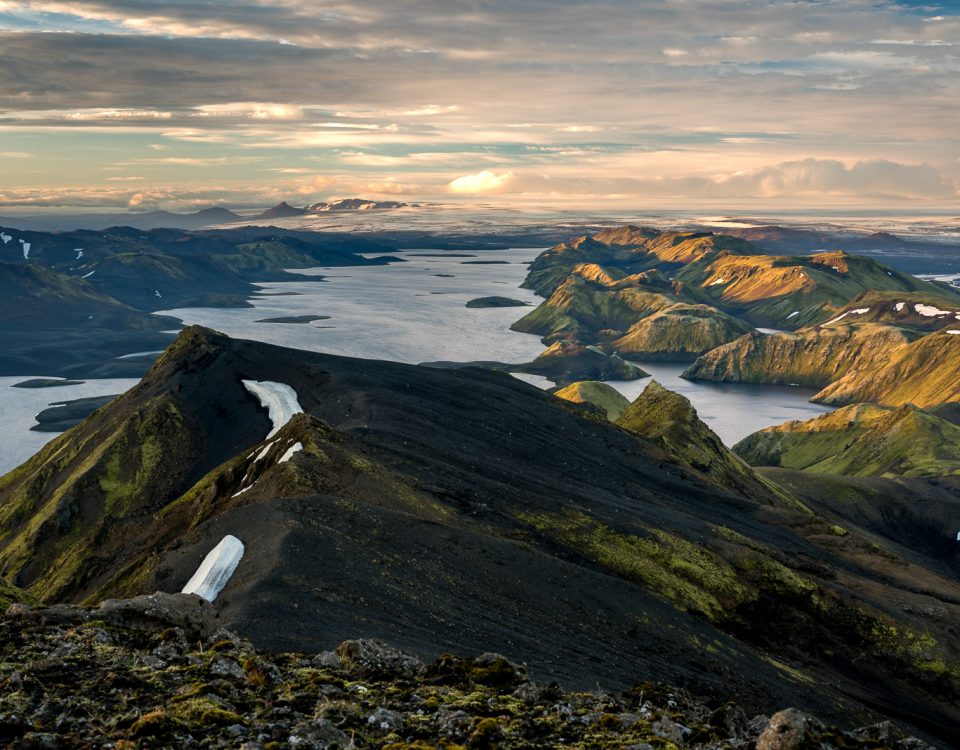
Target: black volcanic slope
463, 510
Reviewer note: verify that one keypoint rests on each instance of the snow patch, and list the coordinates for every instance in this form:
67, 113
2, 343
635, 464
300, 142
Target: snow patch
279, 399
858, 311
899, 306
930, 311
216, 569
795, 312
156, 293
5, 237
79, 252
289, 452
954, 331
88, 275
26, 249
266, 449
717, 281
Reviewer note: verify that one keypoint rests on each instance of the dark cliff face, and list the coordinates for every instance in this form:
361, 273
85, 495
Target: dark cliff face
463, 510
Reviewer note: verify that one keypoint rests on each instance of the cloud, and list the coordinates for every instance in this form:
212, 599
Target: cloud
481, 182
709, 100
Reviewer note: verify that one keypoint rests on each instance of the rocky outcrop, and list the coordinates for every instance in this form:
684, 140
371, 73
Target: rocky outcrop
83, 682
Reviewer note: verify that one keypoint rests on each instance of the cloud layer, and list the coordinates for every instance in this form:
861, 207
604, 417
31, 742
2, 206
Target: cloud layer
671, 100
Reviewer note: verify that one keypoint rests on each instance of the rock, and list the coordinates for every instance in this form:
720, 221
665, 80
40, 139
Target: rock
790, 729
374, 658
327, 659
385, 720
669, 729
453, 723
318, 735
156, 612
224, 667
888, 734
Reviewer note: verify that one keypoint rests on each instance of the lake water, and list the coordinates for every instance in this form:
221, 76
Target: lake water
410, 312
19, 405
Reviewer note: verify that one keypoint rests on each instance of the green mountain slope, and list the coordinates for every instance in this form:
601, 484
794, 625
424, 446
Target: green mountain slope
670, 421
926, 373
813, 357
860, 440
601, 395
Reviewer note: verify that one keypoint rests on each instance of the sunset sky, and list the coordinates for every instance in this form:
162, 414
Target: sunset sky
143, 104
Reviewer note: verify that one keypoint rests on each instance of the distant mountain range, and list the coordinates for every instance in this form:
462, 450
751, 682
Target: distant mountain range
197, 220
72, 302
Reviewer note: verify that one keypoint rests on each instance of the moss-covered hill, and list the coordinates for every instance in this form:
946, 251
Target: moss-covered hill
813, 357
466, 511
601, 395
926, 373
669, 420
151, 673
791, 291
677, 295
566, 362
860, 440
679, 332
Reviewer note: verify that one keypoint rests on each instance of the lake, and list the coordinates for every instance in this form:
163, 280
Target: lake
410, 312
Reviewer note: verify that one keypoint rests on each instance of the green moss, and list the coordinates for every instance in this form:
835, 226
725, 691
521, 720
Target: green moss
687, 575
202, 711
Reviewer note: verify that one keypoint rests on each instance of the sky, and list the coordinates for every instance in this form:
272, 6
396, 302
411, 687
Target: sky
142, 104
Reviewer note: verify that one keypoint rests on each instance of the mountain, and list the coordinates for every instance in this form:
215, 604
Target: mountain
925, 373
789, 291
606, 398
628, 250
464, 511
282, 210
146, 220
860, 440
680, 332
812, 357
566, 362
82, 299
670, 421
53, 322
353, 204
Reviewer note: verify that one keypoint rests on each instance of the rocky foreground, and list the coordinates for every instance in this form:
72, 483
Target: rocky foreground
159, 671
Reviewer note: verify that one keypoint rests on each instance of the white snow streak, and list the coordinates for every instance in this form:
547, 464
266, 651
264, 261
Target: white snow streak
79, 252
299, 447
954, 331
279, 399
88, 275
5, 237
795, 312
718, 281
858, 311
216, 569
26, 249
